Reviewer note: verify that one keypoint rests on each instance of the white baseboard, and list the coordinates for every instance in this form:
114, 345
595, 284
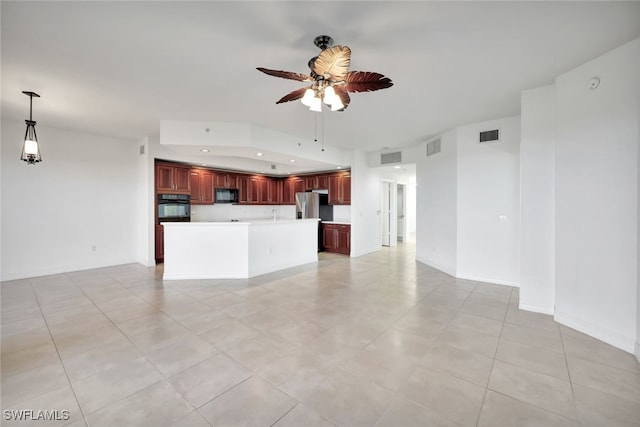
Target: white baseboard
603, 334
466, 276
61, 269
355, 254
536, 309
444, 268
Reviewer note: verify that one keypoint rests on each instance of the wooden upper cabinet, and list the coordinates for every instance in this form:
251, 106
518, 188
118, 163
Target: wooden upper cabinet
164, 178
253, 193
201, 182
346, 189
340, 189
225, 180
298, 187
172, 179
269, 191
288, 192
242, 182
317, 182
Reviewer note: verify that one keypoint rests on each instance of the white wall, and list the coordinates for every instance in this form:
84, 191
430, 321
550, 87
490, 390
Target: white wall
410, 208
145, 205
365, 206
537, 150
82, 195
488, 203
637, 346
436, 201
597, 197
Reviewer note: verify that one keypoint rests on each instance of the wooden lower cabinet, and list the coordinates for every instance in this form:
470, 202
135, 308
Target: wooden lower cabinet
159, 243
336, 238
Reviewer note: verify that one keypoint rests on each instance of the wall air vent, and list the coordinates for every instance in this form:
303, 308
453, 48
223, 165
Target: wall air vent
489, 136
433, 147
141, 150
395, 157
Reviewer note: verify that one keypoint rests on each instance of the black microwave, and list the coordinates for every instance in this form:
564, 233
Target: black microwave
226, 195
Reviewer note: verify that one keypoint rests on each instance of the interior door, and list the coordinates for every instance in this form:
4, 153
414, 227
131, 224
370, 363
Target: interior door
385, 214
401, 223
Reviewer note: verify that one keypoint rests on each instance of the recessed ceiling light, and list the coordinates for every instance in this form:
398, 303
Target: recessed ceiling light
204, 150
396, 167
259, 154
292, 160
338, 167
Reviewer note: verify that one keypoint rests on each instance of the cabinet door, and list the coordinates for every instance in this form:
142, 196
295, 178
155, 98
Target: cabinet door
196, 190
181, 180
334, 190
159, 243
263, 193
253, 195
344, 239
299, 186
164, 179
329, 237
322, 182
311, 182
346, 189
225, 180
288, 192
206, 187
219, 180
243, 188
272, 188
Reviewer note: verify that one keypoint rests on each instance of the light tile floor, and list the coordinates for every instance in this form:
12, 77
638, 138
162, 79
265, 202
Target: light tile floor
378, 340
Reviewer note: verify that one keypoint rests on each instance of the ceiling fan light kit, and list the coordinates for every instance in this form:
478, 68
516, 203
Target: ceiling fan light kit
331, 80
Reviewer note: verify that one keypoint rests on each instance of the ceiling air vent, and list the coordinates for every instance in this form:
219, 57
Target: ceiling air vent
273, 167
395, 157
433, 147
489, 136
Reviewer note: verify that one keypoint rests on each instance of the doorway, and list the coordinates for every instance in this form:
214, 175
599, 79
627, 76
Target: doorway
401, 209
388, 208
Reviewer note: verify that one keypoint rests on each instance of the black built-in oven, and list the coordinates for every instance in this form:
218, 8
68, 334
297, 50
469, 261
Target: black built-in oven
174, 208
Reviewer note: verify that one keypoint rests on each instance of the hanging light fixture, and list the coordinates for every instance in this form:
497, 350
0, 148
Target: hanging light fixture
30, 148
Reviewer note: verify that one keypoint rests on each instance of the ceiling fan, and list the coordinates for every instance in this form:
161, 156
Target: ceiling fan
331, 80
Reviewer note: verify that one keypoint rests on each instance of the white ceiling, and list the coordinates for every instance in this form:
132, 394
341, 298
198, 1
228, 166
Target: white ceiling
119, 68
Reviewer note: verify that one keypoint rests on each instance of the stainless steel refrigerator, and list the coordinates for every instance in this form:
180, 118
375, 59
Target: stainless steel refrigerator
307, 205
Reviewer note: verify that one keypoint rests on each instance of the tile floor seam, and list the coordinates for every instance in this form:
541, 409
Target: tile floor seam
226, 390
566, 361
285, 414
493, 362
53, 341
164, 377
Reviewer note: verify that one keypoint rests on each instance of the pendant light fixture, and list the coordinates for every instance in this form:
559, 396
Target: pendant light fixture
30, 148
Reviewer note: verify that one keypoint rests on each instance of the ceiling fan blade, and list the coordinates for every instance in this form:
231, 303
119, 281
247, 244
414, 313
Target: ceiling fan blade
333, 63
344, 96
292, 96
365, 81
286, 74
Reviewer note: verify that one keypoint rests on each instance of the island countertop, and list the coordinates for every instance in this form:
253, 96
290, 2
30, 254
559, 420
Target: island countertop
259, 221
242, 249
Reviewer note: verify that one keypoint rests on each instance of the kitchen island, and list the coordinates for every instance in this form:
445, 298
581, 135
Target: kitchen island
234, 250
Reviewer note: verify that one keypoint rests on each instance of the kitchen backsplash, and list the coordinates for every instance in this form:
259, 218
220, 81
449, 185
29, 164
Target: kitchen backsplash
342, 213
226, 212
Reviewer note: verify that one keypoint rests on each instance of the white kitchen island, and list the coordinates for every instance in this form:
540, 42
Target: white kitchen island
234, 250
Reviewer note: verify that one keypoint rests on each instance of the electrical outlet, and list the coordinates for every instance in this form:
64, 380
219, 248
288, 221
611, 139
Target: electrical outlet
93, 248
